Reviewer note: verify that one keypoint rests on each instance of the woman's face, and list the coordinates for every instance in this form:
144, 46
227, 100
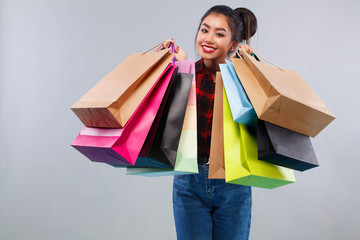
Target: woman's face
214, 39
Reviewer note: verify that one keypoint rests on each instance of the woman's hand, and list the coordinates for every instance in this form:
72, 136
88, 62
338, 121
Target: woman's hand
180, 54
246, 48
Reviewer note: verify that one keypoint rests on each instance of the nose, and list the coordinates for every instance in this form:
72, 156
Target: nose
209, 39
209, 42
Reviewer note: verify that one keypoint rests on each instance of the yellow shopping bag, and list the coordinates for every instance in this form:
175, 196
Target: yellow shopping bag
241, 157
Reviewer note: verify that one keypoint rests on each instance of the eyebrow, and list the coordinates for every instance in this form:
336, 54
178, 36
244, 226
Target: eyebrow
221, 29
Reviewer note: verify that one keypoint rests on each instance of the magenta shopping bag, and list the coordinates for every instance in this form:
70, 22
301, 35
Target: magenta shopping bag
122, 146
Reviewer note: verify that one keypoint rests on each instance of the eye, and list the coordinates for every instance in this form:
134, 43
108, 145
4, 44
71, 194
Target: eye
220, 35
204, 30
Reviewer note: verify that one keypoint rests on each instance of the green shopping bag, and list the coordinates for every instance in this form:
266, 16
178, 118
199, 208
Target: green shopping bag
242, 165
185, 162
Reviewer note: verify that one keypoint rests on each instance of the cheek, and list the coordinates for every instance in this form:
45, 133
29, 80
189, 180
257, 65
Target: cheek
226, 44
198, 40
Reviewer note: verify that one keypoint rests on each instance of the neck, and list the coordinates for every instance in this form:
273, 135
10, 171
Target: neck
212, 66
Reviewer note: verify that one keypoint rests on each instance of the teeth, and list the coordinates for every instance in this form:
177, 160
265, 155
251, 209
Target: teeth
207, 48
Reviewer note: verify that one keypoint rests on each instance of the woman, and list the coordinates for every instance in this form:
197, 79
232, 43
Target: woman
210, 208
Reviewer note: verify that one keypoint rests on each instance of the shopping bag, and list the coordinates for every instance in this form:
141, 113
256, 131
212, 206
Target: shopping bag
284, 147
282, 97
122, 146
165, 143
240, 105
186, 157
144, 160
182, 163
112, 101
242, 165
216, 161
167, 137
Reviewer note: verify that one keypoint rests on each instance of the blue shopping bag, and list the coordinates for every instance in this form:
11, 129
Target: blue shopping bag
241, 109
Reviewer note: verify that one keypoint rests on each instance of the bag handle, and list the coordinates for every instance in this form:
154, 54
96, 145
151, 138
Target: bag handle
257, 54
160, 44
172, 45
169, 45
238, 54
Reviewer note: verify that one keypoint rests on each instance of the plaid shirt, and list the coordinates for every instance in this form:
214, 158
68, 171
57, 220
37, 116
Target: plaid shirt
205, 93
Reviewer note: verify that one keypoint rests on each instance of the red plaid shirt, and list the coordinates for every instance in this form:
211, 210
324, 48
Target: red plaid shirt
205, 93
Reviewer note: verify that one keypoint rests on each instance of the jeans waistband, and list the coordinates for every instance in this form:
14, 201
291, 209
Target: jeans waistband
203, 160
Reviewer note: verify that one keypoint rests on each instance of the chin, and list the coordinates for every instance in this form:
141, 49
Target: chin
206, 56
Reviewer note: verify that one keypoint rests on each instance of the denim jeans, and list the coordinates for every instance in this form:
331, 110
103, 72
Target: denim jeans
208, 209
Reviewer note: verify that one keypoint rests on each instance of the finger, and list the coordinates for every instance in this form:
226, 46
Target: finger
166, 42
246, 48
170, 40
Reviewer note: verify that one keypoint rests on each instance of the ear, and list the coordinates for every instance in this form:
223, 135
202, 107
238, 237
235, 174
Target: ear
233, 46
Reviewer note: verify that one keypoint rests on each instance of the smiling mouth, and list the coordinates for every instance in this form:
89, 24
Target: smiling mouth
208, 49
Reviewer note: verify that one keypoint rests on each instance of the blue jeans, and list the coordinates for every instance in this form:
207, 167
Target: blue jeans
208, 209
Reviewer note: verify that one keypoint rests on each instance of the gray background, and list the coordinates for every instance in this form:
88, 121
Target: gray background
52, 52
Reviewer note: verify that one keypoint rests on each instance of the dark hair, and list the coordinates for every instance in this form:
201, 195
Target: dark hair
242, 21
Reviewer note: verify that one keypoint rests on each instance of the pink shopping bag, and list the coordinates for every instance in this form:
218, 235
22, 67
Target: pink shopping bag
122, 146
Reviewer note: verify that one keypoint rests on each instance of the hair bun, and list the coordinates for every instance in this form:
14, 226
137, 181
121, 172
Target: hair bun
249, 21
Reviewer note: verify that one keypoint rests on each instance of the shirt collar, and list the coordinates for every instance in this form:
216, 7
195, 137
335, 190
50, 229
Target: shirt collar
200, 68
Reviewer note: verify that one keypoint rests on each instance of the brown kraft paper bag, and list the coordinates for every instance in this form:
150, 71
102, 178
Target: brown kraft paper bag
112, 101
216, 161
282, 97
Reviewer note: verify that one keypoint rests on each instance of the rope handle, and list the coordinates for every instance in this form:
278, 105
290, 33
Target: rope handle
160, 44
169, 45
238, 54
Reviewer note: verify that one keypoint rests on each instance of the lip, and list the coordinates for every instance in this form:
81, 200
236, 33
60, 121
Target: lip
208, 49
